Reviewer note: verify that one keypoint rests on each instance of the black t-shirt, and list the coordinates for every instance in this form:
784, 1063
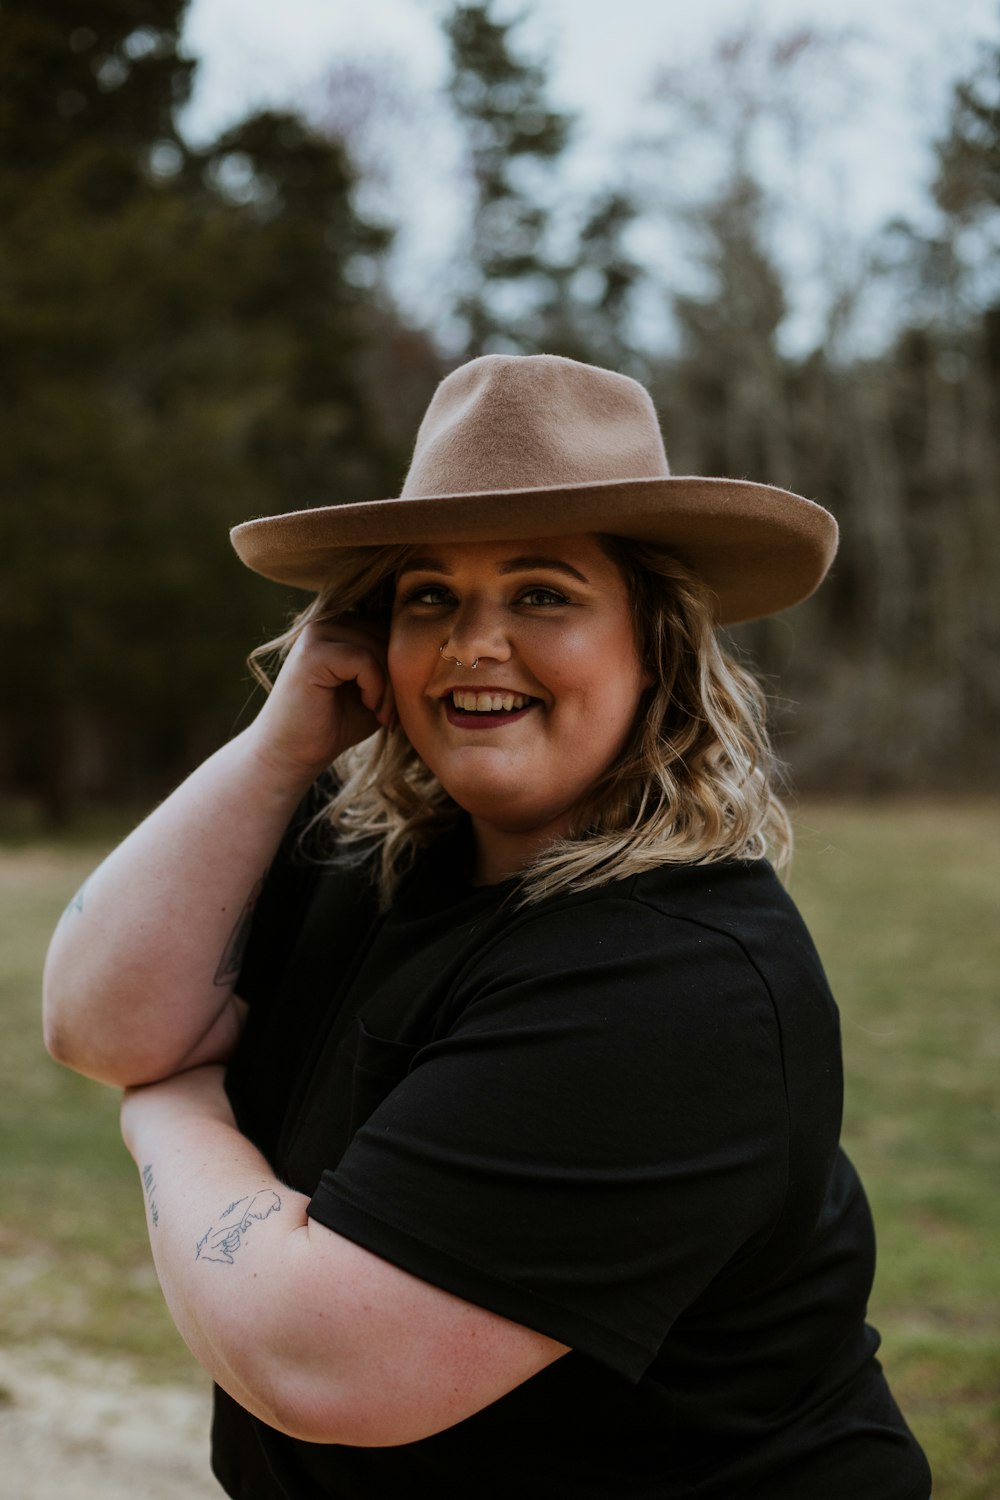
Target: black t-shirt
612, 1117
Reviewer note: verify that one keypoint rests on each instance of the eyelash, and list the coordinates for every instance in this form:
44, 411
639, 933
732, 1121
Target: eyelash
418, 596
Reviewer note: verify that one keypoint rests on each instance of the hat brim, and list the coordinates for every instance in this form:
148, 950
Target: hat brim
759, 548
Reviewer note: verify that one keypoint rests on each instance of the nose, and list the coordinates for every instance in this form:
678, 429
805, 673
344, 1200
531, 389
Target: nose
476, 635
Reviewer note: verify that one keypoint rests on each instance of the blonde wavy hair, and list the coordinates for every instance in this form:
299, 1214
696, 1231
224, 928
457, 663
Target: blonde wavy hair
694, 784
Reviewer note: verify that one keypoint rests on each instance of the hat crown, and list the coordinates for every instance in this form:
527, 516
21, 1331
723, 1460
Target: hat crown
529, 446
529, 421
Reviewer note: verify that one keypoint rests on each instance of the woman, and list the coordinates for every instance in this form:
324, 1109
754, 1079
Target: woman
523, 1175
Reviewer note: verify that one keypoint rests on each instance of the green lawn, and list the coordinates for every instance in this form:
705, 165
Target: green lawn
904, 903
905, 906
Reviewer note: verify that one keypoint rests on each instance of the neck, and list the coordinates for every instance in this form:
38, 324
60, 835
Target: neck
501, 854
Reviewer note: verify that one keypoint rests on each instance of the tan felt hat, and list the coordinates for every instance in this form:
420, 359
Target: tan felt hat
524, 446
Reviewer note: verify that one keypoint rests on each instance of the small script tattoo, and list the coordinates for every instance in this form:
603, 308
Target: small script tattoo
232, 954
222, 1241
150, 1187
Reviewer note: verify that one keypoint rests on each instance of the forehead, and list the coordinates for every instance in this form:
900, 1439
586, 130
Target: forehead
581, 551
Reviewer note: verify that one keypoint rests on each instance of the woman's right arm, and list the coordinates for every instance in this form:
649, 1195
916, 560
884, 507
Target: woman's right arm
140, 971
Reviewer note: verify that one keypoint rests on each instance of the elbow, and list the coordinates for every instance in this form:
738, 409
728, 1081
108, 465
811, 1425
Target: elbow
57, 1044
63, 1039
57, 1033
322, 1416
65, 1048
323, 1405
68, 1044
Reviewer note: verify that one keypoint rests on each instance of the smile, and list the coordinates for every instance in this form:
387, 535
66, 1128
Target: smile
468, 709
488, 703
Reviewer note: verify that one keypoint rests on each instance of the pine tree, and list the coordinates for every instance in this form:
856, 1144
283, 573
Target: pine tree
184, 340
968, 176
308, 260
514, 140
89, 88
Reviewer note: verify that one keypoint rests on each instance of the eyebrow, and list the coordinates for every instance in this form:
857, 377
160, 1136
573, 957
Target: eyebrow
427, 564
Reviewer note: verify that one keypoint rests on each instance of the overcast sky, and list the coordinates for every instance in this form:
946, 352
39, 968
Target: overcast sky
901, 57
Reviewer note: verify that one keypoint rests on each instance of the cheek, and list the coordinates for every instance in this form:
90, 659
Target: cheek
395, 662
603, 665
407, 662
411, 664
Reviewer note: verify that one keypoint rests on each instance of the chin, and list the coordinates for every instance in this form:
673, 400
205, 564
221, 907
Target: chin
504, 809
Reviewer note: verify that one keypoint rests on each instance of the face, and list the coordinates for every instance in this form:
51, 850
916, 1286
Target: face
519, 740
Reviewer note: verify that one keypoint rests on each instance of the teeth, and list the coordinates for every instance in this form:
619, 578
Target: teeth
484, 703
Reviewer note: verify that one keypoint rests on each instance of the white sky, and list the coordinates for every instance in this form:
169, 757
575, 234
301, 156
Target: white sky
873, 161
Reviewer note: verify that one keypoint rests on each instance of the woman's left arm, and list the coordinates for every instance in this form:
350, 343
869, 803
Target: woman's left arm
310, 1332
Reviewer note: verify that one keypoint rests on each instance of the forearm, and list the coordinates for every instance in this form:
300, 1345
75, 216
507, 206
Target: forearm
309, 1331
223, 1232
140, 970
280, 1311
141, 967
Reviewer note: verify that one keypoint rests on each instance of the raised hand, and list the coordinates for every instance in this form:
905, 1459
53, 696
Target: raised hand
332, 692
135, 988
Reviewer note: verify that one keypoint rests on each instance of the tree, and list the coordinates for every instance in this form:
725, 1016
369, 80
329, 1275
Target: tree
968, 155
184, 342
729, 377
586, 314
96, 87
514, 140
722, 116
306, 258
874, 437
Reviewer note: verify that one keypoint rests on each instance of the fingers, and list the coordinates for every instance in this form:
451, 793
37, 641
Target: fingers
353, 649
351, 629
332, 692
336, 664
377, 697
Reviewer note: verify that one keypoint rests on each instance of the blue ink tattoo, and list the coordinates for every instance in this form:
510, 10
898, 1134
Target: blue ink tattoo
232, 957
150, 1187
220, 1243
77, 902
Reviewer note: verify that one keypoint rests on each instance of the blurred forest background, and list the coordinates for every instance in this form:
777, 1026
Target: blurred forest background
194, 334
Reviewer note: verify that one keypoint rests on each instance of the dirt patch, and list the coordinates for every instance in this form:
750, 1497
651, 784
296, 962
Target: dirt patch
77, 1428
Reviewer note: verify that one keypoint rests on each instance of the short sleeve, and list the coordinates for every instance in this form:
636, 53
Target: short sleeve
601, 1129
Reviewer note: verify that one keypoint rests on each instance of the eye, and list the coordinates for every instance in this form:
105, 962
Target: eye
540, 597
427, 594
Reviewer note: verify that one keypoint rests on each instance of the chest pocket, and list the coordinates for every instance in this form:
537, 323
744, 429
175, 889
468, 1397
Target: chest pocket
379, 1066
345, 1086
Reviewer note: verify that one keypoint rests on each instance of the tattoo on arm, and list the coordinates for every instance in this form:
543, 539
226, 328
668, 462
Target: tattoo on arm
232, 955
76, 904
221, 1241
150, 1187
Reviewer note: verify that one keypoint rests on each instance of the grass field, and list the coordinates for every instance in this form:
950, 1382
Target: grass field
904, 904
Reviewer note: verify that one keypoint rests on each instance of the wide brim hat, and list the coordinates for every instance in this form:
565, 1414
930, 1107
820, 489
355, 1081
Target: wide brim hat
526, 446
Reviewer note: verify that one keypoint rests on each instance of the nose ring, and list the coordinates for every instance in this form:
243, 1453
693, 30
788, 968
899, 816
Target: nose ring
471, 665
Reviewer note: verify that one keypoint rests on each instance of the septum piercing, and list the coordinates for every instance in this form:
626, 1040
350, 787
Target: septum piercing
472, 666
